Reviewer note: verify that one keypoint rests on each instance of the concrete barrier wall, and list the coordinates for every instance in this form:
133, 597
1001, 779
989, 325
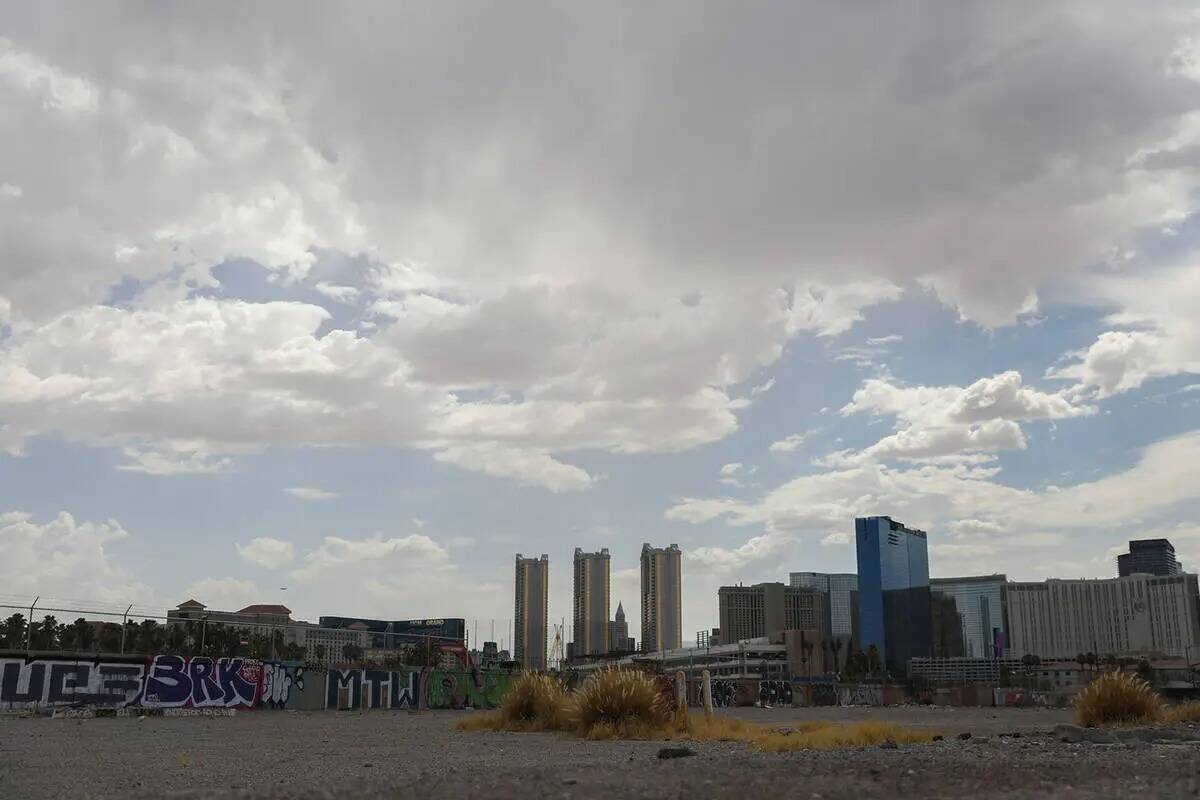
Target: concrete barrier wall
187, 682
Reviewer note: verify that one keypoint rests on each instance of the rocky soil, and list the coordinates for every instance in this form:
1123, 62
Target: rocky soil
1009, 753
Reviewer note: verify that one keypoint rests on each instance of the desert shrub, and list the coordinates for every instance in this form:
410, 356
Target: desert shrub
620, 704
1188, 712
1118, 698
534, 702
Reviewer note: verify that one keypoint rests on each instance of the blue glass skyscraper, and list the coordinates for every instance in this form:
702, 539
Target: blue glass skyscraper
893, 591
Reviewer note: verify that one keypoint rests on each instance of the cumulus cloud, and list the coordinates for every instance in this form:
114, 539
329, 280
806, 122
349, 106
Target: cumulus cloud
310, 493
66, 558
619, 294
336, 551
1157, 336
526, 467
789, 444
226, 594
264, 551
966, 504
943, 421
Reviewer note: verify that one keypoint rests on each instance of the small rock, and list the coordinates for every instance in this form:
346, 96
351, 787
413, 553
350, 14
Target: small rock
962, 737
888, 744
938, 738
368, 764
1073, 734
675, 752
570, 781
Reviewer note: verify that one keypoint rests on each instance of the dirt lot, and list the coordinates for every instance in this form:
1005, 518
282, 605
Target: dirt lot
399, 754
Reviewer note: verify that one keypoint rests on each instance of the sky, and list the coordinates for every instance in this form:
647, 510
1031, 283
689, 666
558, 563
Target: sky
363, 303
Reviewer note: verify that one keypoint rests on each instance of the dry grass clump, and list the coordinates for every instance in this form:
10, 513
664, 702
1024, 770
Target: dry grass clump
534, 702
1118, 698
620, 704
627, 704
828, 736
1187, 712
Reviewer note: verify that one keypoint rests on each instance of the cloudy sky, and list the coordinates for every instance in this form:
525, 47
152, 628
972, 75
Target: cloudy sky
363, 304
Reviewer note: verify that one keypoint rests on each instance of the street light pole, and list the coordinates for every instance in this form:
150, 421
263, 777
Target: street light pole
29, 626
203, 631
124, 626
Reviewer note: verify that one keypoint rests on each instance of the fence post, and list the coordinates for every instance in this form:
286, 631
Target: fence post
706, 694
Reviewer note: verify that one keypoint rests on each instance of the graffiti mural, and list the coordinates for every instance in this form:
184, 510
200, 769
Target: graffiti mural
133, 684
860, 695
202, 682
463, 689
822, 694
37, 683
282, 685
371, 688
774, 693
724, 693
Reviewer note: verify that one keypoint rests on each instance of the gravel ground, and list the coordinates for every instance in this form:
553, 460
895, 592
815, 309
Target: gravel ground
404, 755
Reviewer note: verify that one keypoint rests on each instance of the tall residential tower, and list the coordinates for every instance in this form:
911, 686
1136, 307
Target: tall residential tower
662, 602
531, 614
591, 603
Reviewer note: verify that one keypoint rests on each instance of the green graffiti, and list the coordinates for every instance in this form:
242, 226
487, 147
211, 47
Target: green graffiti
459, 689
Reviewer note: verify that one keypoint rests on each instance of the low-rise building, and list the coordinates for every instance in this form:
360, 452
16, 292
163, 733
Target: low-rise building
325, 647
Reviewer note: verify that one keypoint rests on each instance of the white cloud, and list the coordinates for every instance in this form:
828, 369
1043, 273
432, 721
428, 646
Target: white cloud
1158, 334
10, 190
836, 539
266, 552
763, 388
525, 467
945, 421
967, 504
66, 559
334, 551
225, 594
173, 458
734, 473
344, 294
789, 444
310, 493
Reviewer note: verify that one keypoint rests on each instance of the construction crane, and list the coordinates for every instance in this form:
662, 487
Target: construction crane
556, 649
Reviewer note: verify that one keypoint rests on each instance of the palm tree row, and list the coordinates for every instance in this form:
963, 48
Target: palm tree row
147, 637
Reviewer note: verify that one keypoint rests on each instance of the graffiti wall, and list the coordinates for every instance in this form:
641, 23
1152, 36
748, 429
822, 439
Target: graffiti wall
463, 689
57, 682
290, 686
202, 682
774, 693
178, 685
161, 682
371, 688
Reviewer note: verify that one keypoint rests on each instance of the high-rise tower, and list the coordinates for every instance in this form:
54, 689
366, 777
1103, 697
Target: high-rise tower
531, 613
591, 603
662, 616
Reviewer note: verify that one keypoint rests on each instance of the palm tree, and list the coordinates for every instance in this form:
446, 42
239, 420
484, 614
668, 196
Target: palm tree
176, 640
109, 640
873, 659
352, 652
46, 635
150, 636
14, 631
80, 634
